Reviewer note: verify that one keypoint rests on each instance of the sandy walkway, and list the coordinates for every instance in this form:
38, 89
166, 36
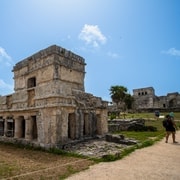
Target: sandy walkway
158, 162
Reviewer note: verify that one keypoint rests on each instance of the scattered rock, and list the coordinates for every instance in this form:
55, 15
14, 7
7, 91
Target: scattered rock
99, 148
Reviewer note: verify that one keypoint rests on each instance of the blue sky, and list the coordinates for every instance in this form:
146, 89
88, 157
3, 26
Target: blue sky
133, 43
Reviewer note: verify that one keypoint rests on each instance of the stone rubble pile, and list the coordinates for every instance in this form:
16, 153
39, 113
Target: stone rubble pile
99, 148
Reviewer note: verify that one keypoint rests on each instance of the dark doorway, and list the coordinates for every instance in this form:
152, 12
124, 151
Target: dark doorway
1, 127
10, 128
71, 126
34, 127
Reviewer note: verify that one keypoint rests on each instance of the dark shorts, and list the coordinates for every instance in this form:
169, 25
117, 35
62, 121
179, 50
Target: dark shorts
171, 129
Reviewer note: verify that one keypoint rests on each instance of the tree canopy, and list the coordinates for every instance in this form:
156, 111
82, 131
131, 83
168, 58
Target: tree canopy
119, 95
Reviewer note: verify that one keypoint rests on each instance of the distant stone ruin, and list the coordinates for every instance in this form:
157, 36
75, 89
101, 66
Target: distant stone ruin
145, 99
50, 107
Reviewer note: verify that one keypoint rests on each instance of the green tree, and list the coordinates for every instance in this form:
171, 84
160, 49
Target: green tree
120, 96
128, 100
118, 93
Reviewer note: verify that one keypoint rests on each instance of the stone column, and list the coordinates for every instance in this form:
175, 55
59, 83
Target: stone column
62, 126
77, 124
81, 124
102, 123
28, 128
99, 124
18, 127
40, 129
5, 127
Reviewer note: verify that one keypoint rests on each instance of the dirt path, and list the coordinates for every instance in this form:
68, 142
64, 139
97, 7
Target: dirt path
158, 162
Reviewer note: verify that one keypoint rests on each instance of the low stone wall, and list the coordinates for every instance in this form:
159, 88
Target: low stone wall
120, 139
124, 125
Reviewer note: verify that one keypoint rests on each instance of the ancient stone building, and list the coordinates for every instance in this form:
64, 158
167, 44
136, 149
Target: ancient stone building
145, 99
50, 107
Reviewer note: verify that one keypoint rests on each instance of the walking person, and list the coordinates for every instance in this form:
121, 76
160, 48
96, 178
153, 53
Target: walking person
156, 114
170, 128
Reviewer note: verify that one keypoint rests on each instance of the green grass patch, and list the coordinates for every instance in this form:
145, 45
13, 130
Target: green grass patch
146, 135
6, 169
69, 171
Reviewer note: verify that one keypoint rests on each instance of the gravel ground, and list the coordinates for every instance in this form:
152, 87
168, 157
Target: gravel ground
158, 162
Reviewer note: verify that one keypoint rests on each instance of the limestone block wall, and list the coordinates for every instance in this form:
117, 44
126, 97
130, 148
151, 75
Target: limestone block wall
144, 102
144, 91
48, 64
47, 126
178, 100
20, 79
20, 100
49, 107
62, 125
70, 75
3, 105
162, 102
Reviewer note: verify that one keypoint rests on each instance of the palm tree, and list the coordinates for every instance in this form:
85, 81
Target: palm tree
118, 93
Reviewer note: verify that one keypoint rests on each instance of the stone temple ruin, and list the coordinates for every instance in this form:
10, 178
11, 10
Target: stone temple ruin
50, 107
145, 99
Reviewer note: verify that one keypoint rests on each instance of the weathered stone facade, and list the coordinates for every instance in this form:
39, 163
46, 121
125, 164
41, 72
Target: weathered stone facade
145, 99
50, 107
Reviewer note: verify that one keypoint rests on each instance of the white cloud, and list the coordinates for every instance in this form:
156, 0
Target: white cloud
5, 58
92, 35
5, 87
113, 55
172, 52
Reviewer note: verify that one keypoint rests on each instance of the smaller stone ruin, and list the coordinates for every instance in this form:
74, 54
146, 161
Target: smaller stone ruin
120, 139
117, 125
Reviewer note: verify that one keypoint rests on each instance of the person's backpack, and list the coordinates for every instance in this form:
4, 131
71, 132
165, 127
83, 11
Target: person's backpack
165, 123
